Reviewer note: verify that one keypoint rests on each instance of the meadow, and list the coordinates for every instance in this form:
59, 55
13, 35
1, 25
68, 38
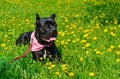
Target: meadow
88, 38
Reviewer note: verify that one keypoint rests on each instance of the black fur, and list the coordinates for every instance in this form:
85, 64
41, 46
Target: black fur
45, 28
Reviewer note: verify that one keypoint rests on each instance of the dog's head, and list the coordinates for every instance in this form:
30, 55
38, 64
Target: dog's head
46, 28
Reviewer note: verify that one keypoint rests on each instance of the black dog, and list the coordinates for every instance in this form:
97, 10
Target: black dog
42, 40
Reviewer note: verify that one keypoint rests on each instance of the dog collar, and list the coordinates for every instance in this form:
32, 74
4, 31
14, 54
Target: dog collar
37, 46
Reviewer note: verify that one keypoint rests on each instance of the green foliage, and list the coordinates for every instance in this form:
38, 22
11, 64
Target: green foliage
89, 50
103, 11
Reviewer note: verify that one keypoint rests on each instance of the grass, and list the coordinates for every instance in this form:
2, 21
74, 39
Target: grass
88, 38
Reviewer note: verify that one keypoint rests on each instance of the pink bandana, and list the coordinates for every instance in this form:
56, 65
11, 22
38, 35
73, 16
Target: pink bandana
37, 46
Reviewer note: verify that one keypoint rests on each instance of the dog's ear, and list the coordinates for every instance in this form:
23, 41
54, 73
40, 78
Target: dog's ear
37, 17
53, 16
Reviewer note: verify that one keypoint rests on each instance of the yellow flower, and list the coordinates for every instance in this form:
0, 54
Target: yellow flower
62, 34
112, 47
57, 73
83, 41
71, 74
5, 36
68, 40
112, 34
66, 20
95, 50
52, 66
118, 52
115, 21
91, 74
48, 63
49, 68
62, 42
87, 52
105, 30
9, 33
119, 46
87, 45
73, 41
83, 47
95, 38
63, 65
86, 30
3, 45
86, 35
41, 58
77, 39
117, 60
77, 15
81, 59
98, 52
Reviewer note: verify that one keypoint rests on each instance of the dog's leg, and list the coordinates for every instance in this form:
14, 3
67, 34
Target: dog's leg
24, 38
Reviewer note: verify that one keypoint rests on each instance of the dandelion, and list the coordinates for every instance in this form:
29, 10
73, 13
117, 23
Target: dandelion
59, 33
87, 52
49, 68
5, 36
77, 39
81, 59
95, 50
98, 52
91, 74
97, 26
112, 47
105, 30
66, 43
77, 15
41, 58
83, 47
117, 60
73, 41
57, 73
118, 52
87, 45
63, 65
52, 66
64, 68
83, 41
86, 35
62, 34
119, 46
3, 45
63, 42
27, 21
86, 31
112, 34
115, 21
66, 20
9, 33
68, 40
71, 74
95, 38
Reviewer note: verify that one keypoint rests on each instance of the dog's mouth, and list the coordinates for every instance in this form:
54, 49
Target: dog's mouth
52, 39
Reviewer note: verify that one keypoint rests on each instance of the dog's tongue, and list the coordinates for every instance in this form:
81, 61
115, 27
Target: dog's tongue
52, 39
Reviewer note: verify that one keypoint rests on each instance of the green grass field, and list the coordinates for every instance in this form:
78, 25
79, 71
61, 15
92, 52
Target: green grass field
89, 39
